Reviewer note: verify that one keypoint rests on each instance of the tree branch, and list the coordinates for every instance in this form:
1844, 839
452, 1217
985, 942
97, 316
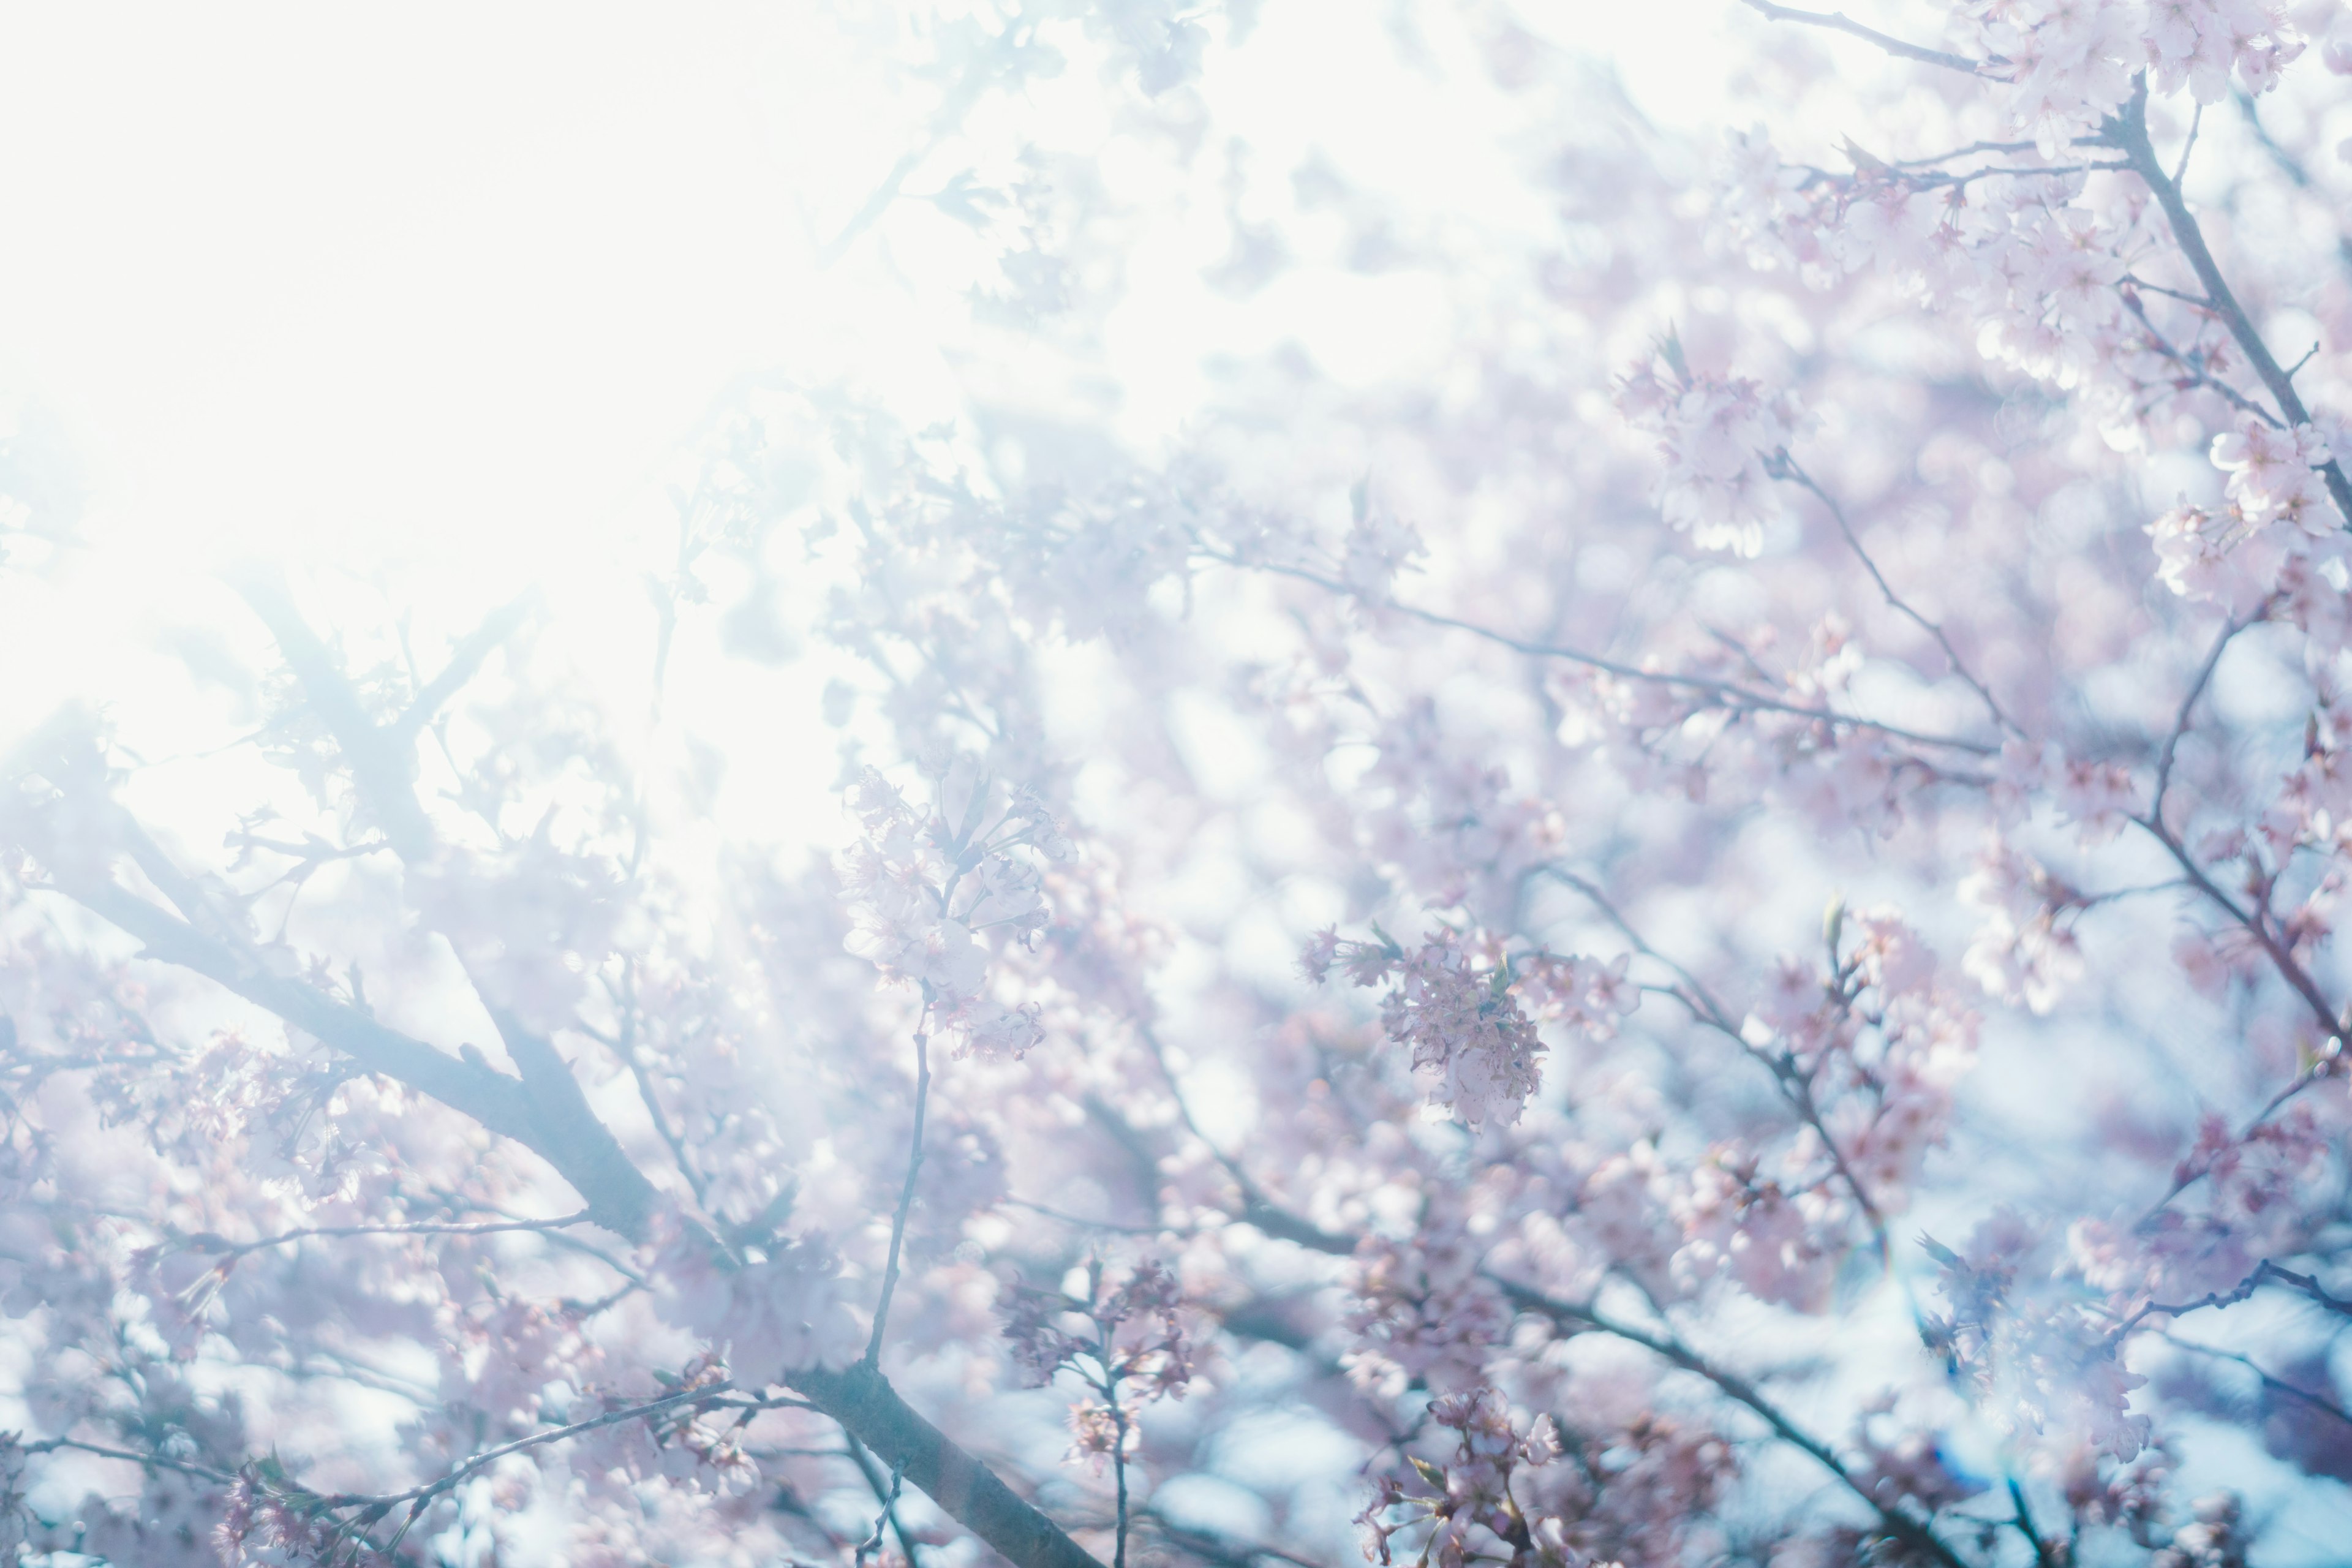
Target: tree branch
1797, 475
1902, 1526
221, 1247
384, 766
1726, 694
2275, 1383
465, 662
861, 1399
544, 1110
907, 1193
2129, 133
1839, 22
2263, 1272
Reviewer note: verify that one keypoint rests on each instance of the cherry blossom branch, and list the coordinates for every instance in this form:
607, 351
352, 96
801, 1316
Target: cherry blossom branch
2270, 1380
383, 766
2230, 629
2127, 132
1109, 1386
2152, 822
1791, 469
885, 1494
2195, 301
382, 763
2263, 1272
883, 1521
1257, 1210
548, 1114
1082, 1222
1913, 1533
210, 1243
2295, 975
202, 1472
1970, 151
2321, 1065
2196, 373
2196, 123
907, 1193
2282, 958
1711, 1013
861, 1399
1728, 694
623, 1045
2043, 1556
977, 75
418, 1496
465, 662
1838, 21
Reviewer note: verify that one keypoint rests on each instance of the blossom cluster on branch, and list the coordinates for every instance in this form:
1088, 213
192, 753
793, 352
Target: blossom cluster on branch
1838, 683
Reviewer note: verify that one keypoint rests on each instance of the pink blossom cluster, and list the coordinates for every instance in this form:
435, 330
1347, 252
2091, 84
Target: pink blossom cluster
1867, 794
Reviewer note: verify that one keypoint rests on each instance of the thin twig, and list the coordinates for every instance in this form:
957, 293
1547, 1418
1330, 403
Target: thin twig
1838, 21
203, 1473
907, 1193
887, 1494
1257, 1209
1711, 1012
1726, 694
2230, 629
1796, 474
218, 1245
872, 1542
2270, 1380
2195, 301
416, 1497
2263, 1272
2196, 373
2281, 958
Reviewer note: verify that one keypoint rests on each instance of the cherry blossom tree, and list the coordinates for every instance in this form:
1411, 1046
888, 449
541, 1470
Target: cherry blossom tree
1701, 937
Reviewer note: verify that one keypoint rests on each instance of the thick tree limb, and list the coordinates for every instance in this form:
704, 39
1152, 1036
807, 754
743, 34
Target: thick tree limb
544, 1110
547, 1113
381, 762
861, 1399
489, 1097
571, 1136
464, 659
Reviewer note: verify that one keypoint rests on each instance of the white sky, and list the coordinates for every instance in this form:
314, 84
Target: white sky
444, 290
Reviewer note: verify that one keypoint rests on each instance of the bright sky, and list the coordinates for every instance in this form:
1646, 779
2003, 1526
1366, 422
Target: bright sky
446, 291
